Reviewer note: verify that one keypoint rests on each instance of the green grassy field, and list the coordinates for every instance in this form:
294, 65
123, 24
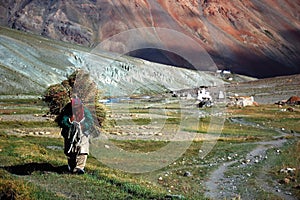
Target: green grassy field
34, 167
29, 161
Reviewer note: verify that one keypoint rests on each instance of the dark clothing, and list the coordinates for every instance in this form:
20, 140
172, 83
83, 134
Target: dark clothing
75, 134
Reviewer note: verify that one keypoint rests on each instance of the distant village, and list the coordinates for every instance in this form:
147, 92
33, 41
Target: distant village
208, 96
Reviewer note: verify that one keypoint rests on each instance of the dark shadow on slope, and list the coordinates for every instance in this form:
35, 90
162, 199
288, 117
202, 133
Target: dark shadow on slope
161, 56
29, 168
251, 64
245, 62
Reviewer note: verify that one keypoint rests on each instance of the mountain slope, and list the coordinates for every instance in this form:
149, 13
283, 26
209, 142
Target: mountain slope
256, 38
30, 63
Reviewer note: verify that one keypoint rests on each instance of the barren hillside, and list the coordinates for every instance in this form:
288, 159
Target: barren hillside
268, 90
256, 38
29, 64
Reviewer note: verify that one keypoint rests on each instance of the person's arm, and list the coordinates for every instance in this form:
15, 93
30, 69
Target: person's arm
66, 122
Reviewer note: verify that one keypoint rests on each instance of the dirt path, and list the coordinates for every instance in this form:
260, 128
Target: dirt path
217, 180
221, 187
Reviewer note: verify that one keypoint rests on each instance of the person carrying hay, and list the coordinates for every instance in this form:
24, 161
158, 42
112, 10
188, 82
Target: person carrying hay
76, 122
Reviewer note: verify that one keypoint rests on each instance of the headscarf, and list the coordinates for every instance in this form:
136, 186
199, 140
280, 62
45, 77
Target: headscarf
77, 109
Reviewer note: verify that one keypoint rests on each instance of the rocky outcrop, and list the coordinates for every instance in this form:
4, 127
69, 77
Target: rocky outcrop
254, 37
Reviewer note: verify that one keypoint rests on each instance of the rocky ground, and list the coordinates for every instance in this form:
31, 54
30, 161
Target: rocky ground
221, 186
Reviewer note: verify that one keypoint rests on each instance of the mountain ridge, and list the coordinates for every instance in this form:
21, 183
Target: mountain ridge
30, 63
255, 38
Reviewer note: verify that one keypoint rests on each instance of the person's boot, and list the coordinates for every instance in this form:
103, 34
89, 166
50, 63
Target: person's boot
78, 171
79, 164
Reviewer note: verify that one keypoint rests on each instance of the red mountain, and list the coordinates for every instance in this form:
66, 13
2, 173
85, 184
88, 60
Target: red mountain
260, 38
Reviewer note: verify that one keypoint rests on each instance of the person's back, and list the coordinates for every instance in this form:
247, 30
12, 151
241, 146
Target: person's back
76, 122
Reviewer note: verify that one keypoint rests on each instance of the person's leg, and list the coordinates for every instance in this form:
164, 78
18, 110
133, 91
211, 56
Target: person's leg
71, 162
80, 163
82, 156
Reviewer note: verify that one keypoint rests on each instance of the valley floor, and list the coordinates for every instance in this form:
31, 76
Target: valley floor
254, 156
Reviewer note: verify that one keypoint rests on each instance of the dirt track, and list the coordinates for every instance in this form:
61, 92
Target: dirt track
221, 187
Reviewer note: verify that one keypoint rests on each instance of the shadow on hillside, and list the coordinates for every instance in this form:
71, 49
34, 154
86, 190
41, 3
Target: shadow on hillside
29, 168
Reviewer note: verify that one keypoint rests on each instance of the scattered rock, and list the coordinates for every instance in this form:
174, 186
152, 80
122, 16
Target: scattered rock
106, 146
54, 147
50, 119
288, 170
278, 151
160, 178
119, 133
187, 174
285, 181
174, 196
297, 187
114, 133
19, 131
278, 190
245, 161
288, 193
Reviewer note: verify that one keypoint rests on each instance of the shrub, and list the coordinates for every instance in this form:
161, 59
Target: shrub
15, 190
